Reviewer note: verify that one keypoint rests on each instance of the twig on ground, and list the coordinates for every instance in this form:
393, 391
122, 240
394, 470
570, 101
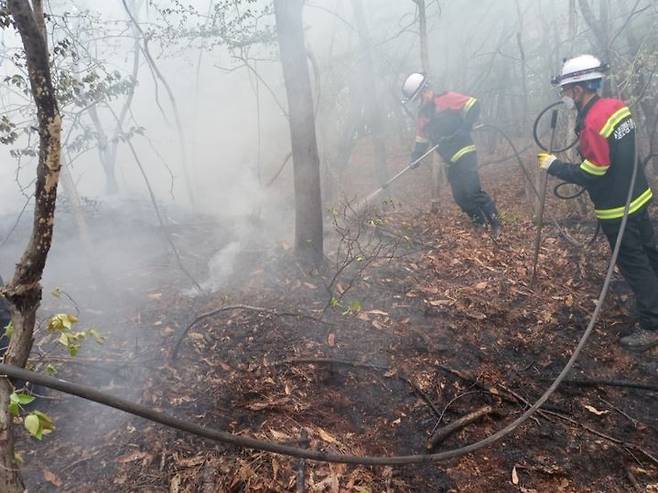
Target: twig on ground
452, 401
586, 382
620, 411
301, 465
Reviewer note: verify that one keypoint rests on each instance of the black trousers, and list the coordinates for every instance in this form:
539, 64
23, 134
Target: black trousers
464, 179
638, 263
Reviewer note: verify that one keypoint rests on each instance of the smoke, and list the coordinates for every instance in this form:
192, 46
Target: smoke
221, 266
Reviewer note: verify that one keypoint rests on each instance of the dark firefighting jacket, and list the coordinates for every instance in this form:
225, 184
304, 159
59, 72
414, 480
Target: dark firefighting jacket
447, 120
606, 132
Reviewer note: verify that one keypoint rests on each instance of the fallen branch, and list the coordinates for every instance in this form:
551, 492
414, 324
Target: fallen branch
444, 432
452, 401
258, 309
301, 465
585, 382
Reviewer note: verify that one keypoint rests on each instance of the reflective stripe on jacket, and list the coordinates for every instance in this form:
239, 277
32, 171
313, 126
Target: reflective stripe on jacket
447, 121
606, 132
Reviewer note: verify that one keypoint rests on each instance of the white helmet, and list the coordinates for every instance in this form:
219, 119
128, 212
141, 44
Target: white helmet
413, 86
580, 69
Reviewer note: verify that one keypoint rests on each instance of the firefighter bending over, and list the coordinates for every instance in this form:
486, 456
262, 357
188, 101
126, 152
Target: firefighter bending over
446, 120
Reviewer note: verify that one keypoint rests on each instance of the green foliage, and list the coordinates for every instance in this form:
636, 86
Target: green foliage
352, 308
8, 134
17, 400
38, 424
62, 323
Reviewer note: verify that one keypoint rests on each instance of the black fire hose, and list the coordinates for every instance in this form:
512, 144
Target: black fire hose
535, 130
542, 202
556, 189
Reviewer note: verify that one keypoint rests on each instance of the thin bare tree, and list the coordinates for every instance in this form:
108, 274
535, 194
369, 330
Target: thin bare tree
24, 290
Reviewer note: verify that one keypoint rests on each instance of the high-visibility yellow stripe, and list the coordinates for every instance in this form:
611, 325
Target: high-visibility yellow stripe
421, 140
614, 120
461, 152
593, 169
618, 212
469, 103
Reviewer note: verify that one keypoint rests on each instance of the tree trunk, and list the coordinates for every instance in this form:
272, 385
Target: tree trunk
306, 161
24, 290
435, 165
10, 477
105, 154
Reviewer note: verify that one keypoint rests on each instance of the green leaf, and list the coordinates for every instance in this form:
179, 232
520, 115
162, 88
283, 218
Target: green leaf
47, 423
9, 329
51, 370
14, 406
33, 426
63, 339
24, 399
356, 306
14, 410
61, 322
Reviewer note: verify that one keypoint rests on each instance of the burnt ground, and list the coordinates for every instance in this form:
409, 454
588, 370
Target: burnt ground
443, 306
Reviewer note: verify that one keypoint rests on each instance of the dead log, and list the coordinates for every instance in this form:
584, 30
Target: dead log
444, 432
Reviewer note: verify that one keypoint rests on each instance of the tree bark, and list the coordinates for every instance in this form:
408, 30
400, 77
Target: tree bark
105, 154
306, 161
24, 290
438, 176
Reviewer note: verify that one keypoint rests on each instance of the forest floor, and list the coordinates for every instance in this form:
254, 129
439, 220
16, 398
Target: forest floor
431, 301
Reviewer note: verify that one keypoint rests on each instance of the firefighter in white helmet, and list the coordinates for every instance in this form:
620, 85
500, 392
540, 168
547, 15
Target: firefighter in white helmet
447, 119
606, 132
